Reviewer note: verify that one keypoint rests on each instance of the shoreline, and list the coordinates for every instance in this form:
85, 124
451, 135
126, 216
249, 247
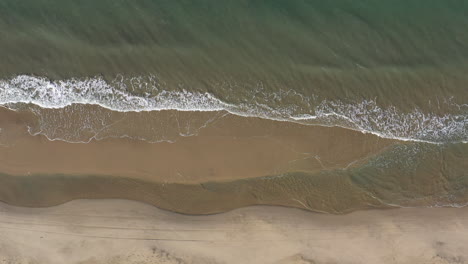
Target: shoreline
232, 162
310, 192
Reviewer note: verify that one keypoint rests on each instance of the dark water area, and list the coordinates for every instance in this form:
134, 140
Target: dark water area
401, 53
395, 68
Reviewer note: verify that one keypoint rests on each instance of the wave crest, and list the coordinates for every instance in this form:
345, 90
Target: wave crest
149, 94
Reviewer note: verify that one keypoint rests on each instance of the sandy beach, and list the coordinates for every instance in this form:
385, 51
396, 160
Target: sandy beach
120, 231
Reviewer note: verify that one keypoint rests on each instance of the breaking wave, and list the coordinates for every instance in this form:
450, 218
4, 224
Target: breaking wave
148, 94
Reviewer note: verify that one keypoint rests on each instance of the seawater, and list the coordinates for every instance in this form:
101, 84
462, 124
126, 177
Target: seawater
120, 95
396, 69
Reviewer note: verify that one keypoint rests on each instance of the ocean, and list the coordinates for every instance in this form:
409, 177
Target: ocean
159, 72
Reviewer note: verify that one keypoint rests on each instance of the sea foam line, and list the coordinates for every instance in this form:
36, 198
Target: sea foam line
365, 116
96, 91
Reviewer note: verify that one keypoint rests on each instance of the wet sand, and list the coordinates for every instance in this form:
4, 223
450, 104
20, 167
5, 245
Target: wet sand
230, 162
226, 162
225, 148
120, 231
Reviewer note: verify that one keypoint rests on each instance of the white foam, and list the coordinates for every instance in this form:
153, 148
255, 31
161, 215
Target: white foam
119, 95
96, 91
389, 122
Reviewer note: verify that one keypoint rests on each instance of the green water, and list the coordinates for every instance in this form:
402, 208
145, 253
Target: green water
402, 52
391, 61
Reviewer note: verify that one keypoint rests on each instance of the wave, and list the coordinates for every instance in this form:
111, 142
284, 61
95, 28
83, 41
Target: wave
139, 94
114, 96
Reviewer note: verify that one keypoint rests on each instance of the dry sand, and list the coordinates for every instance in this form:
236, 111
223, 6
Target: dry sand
121, 231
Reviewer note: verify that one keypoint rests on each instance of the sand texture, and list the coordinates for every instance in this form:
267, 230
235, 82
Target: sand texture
121, 231
225, 148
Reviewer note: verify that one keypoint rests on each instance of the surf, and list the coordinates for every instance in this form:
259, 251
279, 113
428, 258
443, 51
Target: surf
147, 94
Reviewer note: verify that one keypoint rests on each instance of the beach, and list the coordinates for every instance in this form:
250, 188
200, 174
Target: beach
151, 131
227, 162
119, 231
